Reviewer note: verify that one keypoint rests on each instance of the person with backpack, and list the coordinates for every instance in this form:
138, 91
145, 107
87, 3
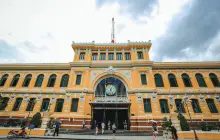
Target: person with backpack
57, 127
154, 130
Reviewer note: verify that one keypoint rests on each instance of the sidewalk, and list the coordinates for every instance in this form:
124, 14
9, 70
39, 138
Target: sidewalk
93, 137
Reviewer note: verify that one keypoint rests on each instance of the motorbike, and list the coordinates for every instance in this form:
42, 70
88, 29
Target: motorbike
16, 134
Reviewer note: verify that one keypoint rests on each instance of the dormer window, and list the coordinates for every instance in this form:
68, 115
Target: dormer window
140, 55
82, 56
127, 56
111, 56
102, 56
94, 56
119, 56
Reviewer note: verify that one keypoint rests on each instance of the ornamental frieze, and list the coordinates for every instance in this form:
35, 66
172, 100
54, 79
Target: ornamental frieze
94, 74
127, 74
110, 70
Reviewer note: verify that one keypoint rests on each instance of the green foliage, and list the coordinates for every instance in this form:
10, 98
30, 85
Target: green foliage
36, 120
183, 123
166, 124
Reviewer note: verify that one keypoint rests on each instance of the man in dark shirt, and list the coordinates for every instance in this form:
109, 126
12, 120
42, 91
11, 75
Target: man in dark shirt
174, 133
57, 127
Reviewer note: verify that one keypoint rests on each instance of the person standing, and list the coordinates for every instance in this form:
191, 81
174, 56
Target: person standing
83, 124
103, 127
174, 133
109, 125
57, 127
96, 130
154, 130
114, 130
125, 125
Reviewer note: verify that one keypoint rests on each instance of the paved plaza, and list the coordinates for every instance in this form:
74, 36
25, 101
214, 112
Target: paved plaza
93, 137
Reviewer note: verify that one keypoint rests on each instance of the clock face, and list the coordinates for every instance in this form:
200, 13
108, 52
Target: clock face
110, 90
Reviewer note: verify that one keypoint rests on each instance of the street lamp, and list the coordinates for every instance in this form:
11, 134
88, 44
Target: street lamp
185, 101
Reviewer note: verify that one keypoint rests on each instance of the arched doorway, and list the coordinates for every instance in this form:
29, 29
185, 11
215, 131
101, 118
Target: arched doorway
111, 103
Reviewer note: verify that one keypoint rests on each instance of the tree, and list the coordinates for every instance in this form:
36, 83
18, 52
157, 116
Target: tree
183, 123
36, 120
166, 124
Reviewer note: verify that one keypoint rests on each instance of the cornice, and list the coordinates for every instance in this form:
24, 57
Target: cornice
162, 65
35, 66
93, 45
112, 63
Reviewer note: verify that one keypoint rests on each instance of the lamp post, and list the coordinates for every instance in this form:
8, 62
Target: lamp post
185, 101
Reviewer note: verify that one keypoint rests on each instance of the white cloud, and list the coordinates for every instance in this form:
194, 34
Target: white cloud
52, 25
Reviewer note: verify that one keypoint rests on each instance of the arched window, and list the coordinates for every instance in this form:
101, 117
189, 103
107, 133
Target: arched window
172, 80
3, 103
179, 105
158, 80
51, 81
200, 80
31, 104
214, 80
27, 80
164, 106
195, 106
15, 80
186, 80
45, 104
59, 105
17, 104
3, 80
211, 105
64, 80
39, 80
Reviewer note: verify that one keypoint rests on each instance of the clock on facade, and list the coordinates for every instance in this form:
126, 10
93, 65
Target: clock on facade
110, 90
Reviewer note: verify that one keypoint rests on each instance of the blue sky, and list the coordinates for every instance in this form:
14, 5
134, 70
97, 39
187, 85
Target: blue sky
42, 31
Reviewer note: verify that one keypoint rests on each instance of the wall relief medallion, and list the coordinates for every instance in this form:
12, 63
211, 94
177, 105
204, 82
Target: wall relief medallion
110, 70
127, 74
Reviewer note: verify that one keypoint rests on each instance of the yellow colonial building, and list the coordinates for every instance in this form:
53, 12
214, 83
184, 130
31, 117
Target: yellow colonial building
110, 82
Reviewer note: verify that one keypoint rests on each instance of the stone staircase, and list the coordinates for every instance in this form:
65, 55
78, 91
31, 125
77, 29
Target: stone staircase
107, 132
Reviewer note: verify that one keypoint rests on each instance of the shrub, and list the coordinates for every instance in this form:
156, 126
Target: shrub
36, 120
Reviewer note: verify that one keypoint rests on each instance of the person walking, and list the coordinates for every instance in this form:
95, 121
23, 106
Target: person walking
114, 130
174, 133
125, 125
154, 130
57, 127
103, 127
83, 124
109, 125
96, 130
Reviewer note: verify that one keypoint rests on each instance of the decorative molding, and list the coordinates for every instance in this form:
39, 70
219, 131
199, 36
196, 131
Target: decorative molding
154, 97
94, 74
12, 97
26, 97
110, 70
82, 97
127, 74
78, 72
201, 98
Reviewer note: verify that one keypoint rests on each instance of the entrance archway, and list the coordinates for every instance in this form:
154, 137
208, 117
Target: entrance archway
112, 103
